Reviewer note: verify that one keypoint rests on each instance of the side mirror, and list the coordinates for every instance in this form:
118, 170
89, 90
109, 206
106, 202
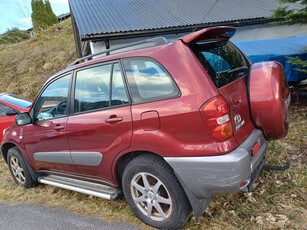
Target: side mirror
11, 112
23, 119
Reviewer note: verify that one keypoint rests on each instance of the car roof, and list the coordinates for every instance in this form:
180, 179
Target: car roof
140, 52
207, 33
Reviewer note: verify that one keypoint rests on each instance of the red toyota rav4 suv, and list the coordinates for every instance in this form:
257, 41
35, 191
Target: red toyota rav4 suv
168, 126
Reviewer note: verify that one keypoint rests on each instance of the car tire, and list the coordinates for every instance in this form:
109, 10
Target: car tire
154, 193
18, 168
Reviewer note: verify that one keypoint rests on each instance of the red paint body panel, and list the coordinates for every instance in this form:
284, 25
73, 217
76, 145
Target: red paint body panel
42, 137
221, 32
7, 121
90, 132
150, 120
236, 95
181, 133
169, 128
268, 94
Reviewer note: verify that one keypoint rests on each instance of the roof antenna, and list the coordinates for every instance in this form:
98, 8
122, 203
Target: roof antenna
205, 15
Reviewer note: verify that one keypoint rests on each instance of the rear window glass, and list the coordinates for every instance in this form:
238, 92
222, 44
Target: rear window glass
222, 61
16, 100
148, 80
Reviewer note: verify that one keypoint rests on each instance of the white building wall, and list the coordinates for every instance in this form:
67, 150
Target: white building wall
244, 33
268, 31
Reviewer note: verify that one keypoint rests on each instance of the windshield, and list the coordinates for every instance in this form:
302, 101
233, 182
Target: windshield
16, 100
222, 61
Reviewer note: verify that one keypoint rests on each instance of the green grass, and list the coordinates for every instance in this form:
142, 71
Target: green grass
25, 66
277, 202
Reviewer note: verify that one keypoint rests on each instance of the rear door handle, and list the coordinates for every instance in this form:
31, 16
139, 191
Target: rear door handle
114, 119
58, 127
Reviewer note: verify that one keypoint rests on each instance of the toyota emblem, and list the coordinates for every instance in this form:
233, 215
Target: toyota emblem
237, 119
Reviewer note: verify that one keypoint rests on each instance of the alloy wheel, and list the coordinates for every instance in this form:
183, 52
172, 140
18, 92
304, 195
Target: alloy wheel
17, 170
151, 196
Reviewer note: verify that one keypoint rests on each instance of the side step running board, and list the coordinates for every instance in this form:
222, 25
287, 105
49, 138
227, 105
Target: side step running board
89, 188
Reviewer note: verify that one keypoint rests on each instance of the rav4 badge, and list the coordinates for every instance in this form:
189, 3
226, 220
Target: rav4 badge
238, 121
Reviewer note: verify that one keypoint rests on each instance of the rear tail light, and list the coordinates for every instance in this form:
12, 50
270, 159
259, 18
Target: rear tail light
216, 118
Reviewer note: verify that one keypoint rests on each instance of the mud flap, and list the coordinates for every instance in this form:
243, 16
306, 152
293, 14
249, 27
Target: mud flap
197, 205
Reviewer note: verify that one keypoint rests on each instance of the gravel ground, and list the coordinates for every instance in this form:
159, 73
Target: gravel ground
31, 217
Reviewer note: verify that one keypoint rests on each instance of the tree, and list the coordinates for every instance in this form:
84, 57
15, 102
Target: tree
53, 17
42, 15
14, 36
293, 16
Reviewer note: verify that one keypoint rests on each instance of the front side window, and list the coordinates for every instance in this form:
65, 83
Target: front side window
222, 61
148, 80
93, 88
4, 109
52, 103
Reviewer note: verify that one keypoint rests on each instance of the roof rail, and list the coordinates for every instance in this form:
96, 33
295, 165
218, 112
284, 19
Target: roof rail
157, 41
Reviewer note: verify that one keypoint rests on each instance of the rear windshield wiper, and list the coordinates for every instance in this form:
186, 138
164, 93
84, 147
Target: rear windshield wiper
238, 69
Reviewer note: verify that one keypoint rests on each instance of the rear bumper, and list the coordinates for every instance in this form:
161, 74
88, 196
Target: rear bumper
209, 176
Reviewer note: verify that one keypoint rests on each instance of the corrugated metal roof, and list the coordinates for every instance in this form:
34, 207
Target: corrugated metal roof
114, 16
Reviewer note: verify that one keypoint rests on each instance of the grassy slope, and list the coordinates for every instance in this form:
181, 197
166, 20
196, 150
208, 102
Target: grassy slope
24, 67
278, 200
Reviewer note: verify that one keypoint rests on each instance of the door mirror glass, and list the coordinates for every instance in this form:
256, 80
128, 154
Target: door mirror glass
44, 116
23, 119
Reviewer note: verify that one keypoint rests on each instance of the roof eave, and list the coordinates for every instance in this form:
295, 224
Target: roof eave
174, 30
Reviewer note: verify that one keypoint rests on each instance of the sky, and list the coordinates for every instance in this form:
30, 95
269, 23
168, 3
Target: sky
17, 13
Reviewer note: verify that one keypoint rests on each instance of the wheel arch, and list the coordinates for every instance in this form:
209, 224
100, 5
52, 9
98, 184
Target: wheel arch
197, 205
124, 159
5, 148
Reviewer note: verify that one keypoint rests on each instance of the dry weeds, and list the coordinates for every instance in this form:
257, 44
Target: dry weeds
277, 202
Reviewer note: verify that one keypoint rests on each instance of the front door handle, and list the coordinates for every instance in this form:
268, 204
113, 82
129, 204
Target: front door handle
114, 119
58, 127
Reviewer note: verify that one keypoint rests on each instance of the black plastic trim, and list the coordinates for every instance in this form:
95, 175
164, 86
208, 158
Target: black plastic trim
117, 195
248, 98
197, 205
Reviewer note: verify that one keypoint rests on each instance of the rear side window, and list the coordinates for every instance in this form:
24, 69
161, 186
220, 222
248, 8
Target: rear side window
222, 61
148, 80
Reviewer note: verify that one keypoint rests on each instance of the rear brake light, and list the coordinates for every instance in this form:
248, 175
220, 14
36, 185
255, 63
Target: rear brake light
216, 118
